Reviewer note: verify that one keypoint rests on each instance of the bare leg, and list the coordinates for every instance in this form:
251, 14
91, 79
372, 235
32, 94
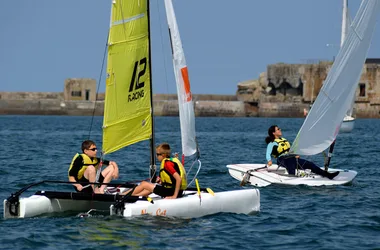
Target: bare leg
107, 173
90, 175
144, 189
143, 193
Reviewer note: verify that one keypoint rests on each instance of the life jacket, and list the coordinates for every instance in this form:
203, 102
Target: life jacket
87, 161
167, 179
282, 148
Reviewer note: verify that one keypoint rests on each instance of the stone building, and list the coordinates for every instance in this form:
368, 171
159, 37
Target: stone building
284, 90
367, 103
79, 89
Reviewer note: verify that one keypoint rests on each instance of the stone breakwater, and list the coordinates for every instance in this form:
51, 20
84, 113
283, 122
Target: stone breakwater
166, 105
163, 105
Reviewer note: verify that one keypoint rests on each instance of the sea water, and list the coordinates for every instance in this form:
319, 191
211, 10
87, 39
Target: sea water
35, 148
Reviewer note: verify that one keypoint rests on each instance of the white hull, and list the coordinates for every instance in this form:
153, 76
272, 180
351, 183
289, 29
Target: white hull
347, 124
261, 176
37, 205
240, 201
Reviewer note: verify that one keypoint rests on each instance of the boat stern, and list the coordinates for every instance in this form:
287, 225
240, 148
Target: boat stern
34, 205
11, 210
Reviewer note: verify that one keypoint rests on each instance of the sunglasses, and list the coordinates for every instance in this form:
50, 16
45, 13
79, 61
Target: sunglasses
158, 154
93, 149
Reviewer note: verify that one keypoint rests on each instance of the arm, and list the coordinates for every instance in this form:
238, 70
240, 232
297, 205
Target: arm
77, 185
269, 152
77, 165
169, 166
178, 181
158, 180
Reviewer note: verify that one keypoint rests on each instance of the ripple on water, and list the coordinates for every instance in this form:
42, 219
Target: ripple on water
344, 217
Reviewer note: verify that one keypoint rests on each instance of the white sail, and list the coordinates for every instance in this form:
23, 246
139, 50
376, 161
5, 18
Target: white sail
322, 124
185, 100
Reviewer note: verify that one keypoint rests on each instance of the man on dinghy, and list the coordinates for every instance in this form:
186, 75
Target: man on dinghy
172, 180
279, 147
83, 168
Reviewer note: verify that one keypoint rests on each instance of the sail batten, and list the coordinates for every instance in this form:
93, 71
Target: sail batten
118, 22
322, 124
127, 108
185, 101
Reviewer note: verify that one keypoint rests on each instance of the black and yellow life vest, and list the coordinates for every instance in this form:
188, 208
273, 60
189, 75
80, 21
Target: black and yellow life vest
282, 148
167, 179
87, 161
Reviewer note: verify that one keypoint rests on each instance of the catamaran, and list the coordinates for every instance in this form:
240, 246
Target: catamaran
321, 126
128, 119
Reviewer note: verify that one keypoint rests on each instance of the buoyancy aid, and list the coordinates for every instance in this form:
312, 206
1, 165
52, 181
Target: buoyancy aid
282, 148
87, 161
167, 179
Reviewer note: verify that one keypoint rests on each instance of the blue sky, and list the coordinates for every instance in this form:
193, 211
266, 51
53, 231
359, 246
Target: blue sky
43, 42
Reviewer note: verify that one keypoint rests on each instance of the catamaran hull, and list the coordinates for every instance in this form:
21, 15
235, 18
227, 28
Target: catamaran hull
239, 202
37, 205
347, 125
260, 176
191, 206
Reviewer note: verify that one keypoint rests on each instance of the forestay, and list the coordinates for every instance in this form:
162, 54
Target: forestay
127, 108
322, 124
185, 99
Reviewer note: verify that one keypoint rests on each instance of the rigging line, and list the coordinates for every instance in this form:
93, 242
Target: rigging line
162, 47
97, 90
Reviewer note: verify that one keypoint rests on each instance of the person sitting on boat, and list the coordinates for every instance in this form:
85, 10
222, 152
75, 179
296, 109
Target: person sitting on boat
171, 181
279, 147
83, 168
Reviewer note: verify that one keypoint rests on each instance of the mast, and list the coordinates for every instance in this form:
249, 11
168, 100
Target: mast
152, 168
342, 38
329, 155
346, 22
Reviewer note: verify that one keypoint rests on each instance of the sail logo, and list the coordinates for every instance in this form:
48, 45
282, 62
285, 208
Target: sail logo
135, 87
159, 212
186, 84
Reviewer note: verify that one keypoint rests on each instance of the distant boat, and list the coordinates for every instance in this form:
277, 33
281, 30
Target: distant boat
321, 126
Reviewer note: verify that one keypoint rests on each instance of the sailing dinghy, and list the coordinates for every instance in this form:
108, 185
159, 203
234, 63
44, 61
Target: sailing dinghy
128, 119
322, 124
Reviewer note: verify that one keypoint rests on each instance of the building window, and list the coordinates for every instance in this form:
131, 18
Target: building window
87, 94
76, 93
362, 89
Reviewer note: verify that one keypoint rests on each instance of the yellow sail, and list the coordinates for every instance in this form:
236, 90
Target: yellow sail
127, 109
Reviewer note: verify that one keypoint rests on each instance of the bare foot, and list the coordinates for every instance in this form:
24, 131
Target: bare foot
98, 191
